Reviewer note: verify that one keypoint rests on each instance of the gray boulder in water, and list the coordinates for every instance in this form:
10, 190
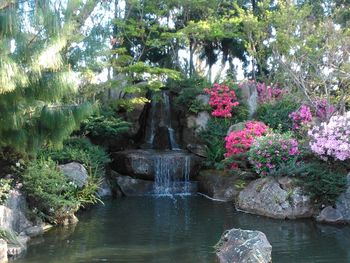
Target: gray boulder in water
341, 212
243, 246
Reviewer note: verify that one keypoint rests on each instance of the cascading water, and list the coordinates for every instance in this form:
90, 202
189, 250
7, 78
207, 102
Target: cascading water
172, 166
168, 180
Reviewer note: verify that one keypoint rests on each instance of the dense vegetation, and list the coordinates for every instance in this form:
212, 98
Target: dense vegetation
79, 67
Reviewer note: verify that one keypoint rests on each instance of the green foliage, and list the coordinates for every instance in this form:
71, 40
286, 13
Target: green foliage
324, 182
9, 236
104, 124
49, 191
187, 90
81, 150
275, 114
38, 88
5, 187
214, 137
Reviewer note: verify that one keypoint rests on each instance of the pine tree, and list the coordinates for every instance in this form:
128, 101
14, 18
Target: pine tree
38, 101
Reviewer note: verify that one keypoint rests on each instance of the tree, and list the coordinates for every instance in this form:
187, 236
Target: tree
38, 84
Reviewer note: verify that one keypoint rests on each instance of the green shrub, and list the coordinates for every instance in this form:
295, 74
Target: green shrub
188, 89
275, 114
214, 135
324, 182
49, 192
105, 123
104, 126
81, 150
5, 187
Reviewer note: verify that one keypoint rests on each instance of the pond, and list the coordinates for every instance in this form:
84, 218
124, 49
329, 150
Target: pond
181, 229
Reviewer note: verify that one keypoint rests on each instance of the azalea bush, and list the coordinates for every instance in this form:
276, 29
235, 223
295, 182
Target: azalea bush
324, 110
331, 140
269, 152
222, 99
238, 142
266, 93
301, 117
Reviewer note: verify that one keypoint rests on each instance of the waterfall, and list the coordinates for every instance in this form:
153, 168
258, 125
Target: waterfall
160, 116
151, 123
172, 175
172, 168
186, 173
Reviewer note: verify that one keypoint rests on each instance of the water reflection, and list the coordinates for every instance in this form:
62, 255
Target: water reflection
159, 230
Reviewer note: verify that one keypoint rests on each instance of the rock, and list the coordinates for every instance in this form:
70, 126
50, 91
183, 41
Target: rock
198, 122
197, 149
218, 185
75, 172
14, 250
34, 231
70, 220
267, 197
104, 189
341, 212
236, 127
239, 246
13, 215
161, 139
143, 164
134, 187
330, 215
3, 251
203, 98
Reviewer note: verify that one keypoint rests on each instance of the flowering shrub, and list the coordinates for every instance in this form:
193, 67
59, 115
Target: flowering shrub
269, 152
332, 138
266, 93
240, 141
222, 99
301, 117
324, 109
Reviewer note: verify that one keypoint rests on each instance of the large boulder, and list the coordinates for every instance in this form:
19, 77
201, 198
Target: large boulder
198, 122
247, 246
198, 149
276, 198
13, 215
75, 172
341, 212
144, 164
104, 189
3, 251
134, 187
218, 185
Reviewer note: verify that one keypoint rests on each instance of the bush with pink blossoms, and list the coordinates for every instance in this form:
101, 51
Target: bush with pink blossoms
301, 118
238, 142
331, 140
269, 152
324, 110
266, 93
222, 99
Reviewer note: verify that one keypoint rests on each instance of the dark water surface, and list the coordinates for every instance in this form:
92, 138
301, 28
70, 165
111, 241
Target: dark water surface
181, 230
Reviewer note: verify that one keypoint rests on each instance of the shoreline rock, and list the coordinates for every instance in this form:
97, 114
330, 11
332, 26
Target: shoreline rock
275, 198
340, 214
219, 185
